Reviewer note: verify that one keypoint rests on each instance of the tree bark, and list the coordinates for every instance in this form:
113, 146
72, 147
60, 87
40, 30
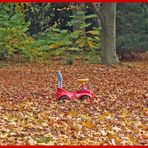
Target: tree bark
107, 16
108, 51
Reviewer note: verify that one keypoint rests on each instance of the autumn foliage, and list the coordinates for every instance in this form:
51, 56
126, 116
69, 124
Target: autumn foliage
31, 115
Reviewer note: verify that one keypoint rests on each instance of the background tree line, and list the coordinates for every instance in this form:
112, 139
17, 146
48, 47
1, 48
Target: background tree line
42, 30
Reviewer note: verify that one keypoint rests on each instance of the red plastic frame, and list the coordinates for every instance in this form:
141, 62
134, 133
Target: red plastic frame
75, 94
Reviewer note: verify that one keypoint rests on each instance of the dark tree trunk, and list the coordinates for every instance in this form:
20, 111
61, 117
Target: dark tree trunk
108, 51
107, 16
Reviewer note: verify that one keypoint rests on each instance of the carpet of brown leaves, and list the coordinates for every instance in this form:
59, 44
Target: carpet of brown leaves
30, 114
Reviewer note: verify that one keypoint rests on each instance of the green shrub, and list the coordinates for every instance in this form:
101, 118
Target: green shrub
60, 42
82, 39
14, 37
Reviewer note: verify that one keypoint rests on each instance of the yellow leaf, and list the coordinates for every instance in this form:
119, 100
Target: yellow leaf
124, 113
73, 113
72, 49
109, 128
55, 45
84, 116
88, 124
145, 111
93, 32
106, 113
132, 139
101, 118
90, 44
80, 43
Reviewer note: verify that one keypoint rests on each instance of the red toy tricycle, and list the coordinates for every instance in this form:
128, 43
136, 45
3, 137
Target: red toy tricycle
82, 94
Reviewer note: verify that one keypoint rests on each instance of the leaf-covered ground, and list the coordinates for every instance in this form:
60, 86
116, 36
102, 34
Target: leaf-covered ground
30, 114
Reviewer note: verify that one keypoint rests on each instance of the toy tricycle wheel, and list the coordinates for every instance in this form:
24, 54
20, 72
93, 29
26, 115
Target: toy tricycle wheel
63, 98
85, 97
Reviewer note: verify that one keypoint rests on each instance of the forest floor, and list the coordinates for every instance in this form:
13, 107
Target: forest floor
31, 115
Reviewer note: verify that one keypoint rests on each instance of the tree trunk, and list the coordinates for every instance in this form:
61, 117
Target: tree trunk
108, 52
107, 16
